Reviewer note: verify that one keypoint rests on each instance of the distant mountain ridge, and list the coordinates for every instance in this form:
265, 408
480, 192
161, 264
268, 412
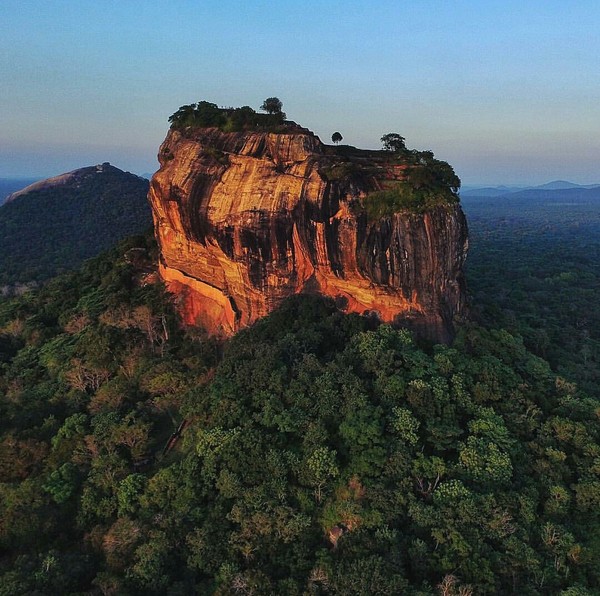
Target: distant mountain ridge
53, 225
556, 194
559, 211
497, 191
559, 185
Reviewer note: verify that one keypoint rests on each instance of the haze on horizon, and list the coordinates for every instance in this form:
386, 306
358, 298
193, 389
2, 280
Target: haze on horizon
506, 92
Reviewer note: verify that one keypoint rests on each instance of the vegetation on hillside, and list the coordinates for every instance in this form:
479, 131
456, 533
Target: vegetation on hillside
415, 181
10, 185
427, 182
314, 453
410, 195
320, 454
52, 230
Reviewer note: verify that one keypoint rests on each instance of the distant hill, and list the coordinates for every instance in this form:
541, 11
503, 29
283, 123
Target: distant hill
559, 195
53, 225
558, 185
498, 191
488, 191
561, 211
11, 185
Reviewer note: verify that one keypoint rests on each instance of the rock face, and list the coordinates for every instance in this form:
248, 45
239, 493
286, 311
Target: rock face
245, 219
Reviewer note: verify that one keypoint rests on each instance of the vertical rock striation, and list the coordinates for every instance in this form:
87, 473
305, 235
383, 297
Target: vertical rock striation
245, 219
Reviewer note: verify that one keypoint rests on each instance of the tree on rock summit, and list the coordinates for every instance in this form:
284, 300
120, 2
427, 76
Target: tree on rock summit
392, 141
272, 105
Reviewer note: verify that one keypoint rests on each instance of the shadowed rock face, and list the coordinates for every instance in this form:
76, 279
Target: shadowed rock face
245, 219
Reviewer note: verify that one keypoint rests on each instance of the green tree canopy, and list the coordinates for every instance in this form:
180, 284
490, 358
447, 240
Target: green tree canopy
272, 105
392, 141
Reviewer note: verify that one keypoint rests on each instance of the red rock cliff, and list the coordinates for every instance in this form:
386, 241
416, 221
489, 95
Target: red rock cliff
245, 219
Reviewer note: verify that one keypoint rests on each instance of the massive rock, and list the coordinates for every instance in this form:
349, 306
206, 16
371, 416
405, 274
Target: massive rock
245, 219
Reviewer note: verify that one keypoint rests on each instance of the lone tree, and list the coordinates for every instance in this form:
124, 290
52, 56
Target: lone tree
393, 142
272, 105
336, 137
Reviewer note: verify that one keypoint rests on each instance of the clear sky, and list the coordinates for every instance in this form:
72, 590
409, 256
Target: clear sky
507, 92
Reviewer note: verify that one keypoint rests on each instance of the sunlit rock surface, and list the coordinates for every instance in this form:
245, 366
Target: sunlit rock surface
245, 219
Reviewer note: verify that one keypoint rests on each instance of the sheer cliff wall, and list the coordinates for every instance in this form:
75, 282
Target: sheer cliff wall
245, 219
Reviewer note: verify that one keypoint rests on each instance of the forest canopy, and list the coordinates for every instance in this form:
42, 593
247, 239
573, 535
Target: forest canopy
55, 229
318, 453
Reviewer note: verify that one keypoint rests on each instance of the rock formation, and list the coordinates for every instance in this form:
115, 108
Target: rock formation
245, 219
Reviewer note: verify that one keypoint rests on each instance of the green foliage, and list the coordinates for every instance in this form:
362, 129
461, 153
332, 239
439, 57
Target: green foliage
272, 105
203, 114
403, 196
394, 142
53, 230
73, 426
533, 269
62, 483
66, 460
483, 461
425, 182
242, 119
431, 174
208, 115
451, 491
128, 494
342, 171
405, 425
322, 453
321, 465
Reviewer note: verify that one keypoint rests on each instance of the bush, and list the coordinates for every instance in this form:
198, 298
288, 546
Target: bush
404, 197
208, 115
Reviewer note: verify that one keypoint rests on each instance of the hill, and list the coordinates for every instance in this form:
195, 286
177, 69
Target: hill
488, 191
314, 452
54, 225
499, 191
557, 185
562, 196
11, 185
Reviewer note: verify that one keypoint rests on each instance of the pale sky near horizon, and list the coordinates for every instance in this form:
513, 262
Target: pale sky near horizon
507, 92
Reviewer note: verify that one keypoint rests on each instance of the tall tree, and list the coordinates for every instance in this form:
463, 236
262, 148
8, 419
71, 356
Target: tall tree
392, 141
272, 105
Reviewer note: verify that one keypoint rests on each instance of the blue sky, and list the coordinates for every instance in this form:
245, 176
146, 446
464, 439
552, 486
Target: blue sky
507, 92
